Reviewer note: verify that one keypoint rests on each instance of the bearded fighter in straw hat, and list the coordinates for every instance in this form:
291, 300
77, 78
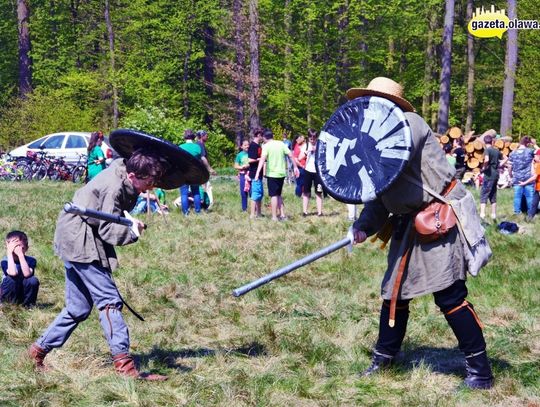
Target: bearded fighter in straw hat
86, 244
417, 267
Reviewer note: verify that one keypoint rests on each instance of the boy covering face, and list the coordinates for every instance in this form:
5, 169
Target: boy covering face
19, 285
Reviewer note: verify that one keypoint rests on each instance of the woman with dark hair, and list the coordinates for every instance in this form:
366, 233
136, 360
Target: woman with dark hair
310, 175
96, 157
299, 146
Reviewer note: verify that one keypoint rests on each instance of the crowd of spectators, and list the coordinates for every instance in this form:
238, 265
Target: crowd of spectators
520, 169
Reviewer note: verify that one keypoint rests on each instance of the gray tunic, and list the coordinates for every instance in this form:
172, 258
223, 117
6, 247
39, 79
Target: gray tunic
85, 240
432, 266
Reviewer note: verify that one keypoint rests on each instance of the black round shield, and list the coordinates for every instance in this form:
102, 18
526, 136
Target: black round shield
183, 167
362, 149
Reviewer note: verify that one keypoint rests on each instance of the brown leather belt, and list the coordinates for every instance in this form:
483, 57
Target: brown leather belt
399, 276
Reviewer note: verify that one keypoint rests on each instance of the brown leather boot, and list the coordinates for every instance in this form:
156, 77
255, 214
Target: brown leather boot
125, 366
37, 354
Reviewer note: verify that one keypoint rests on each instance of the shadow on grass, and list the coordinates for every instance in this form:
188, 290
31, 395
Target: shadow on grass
170, 357
13, 307
441, 360
325, 214
44, 305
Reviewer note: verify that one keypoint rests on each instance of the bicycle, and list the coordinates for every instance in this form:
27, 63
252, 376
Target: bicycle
79, 172
12, 170
59, 170
39, 164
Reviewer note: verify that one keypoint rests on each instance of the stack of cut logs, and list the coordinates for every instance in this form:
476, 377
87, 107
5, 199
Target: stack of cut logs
474, 146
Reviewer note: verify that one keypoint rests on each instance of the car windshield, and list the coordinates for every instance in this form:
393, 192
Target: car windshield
53, 142
37, 143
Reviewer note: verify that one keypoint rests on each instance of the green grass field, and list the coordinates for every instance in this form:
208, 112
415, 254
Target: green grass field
299, 341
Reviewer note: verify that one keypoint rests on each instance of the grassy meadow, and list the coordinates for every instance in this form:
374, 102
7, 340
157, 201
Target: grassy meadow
299, 341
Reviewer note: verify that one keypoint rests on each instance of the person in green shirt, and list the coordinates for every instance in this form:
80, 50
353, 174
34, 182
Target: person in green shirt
96, 157
274, 154
241, 164
195, 150
449, 155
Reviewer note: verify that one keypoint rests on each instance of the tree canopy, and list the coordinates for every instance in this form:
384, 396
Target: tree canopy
187, 63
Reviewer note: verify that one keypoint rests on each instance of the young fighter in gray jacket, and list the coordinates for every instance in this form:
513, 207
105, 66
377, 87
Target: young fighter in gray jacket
86, 246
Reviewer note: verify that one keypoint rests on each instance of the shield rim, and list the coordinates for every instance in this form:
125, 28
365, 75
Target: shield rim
185, 169
346, 200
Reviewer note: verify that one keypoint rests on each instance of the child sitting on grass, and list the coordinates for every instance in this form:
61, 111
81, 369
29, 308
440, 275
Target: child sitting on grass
156, 199
19, 285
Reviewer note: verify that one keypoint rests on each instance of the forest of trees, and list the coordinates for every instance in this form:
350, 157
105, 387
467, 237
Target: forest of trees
231, 65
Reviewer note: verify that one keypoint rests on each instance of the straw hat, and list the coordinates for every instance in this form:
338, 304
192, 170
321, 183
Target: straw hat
385, 88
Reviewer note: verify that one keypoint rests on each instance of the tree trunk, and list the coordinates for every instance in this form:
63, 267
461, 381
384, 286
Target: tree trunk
362, 44
54, 29
239, 70
287, 74
342, 66
390, 54
208, 70
74, 12
25, 62
446, 71
434, 99
429, 65
509, 74
110, 34
309, 103
326, 63
185, 77
254, 120
470, 71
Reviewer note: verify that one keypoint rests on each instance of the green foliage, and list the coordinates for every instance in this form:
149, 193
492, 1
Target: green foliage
8, 57
163, 123
159, 122
221, 150
310, 53
42, 113
83, 88
526, 115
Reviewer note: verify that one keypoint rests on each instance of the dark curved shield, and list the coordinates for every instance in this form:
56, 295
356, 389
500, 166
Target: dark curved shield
183, 167
362, 149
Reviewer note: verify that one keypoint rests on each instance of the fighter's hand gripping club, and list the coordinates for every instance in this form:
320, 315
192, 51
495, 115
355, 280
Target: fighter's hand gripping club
127, 220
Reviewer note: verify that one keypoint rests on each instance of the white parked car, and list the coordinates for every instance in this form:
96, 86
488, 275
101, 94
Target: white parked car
66, 144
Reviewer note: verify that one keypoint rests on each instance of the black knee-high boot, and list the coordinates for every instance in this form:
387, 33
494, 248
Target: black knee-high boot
468, 331
390, 339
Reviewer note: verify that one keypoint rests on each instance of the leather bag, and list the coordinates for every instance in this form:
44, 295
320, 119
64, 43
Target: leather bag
434, 221
476, 249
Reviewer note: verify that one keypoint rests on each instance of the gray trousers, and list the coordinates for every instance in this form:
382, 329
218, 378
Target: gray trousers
88, 285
